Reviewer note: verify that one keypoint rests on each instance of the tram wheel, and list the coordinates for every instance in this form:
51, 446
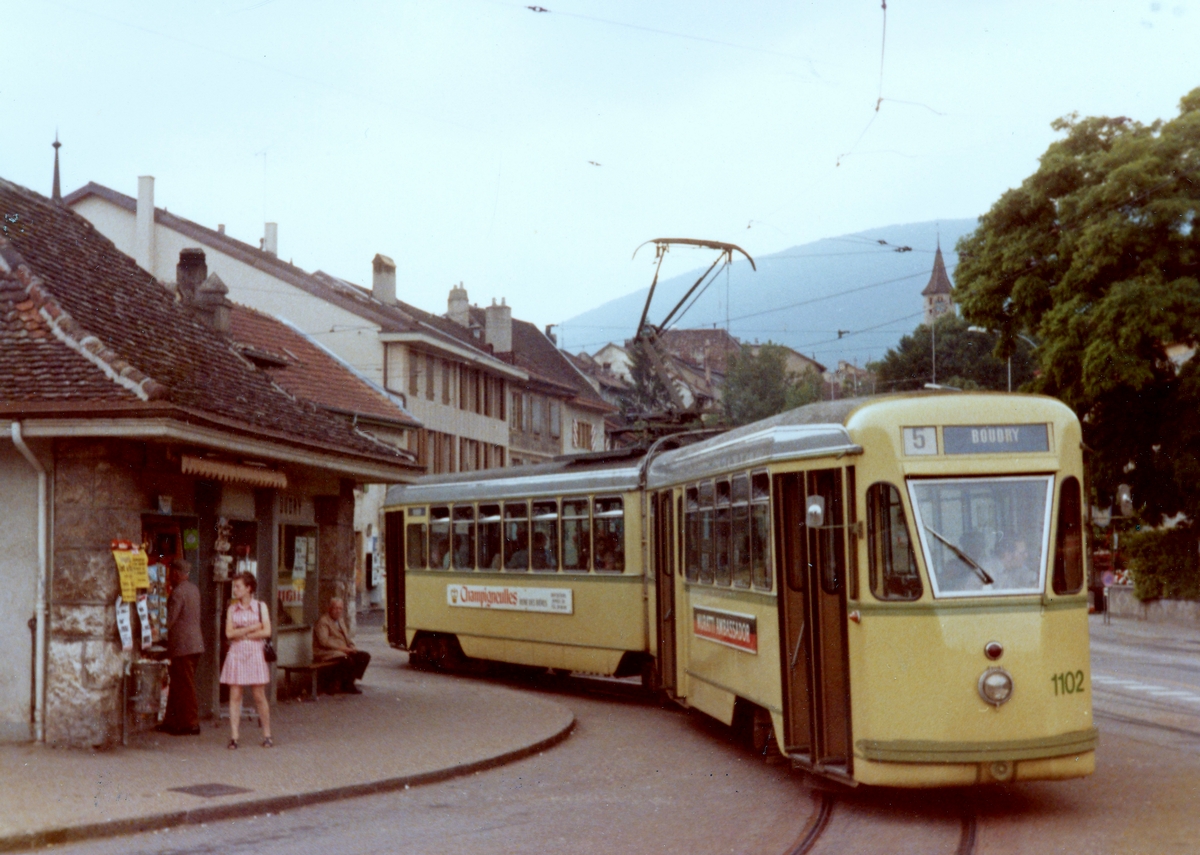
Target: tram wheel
762, 737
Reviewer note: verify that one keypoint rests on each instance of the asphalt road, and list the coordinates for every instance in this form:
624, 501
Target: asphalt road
640, 778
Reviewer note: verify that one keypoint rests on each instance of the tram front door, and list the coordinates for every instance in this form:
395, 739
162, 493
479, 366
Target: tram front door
812, 606
664, 572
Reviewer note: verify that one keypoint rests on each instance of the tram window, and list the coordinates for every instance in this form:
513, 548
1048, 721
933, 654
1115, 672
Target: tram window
760, 530
490, 534
691, 540
740, 544
576, 535
414, 545
998, 523
892, 565
1068, 550
439, 538
722, 535
610, 535
707, 570
464, 537
545, 536
516, 536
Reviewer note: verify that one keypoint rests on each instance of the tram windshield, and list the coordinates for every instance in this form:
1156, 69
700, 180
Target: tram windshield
983, 536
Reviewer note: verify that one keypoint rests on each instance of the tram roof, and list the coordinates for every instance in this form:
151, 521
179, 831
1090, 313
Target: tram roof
603, 472
813, 430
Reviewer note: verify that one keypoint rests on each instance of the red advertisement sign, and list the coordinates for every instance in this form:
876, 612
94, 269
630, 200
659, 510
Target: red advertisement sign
732, 629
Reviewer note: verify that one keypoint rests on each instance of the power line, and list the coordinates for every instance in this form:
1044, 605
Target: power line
830, 296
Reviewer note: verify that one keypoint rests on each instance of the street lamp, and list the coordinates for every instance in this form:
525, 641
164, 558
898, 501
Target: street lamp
1023, 338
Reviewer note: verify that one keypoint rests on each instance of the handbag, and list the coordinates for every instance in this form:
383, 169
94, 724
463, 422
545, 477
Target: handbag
268, 648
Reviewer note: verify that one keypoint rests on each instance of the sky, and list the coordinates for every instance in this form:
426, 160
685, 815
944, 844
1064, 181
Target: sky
527, 153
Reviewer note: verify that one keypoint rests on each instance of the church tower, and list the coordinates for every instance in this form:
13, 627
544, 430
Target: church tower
939, 293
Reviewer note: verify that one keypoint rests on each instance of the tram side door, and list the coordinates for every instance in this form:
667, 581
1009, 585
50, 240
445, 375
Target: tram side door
664, 571
813, 618
393, 532
792, 563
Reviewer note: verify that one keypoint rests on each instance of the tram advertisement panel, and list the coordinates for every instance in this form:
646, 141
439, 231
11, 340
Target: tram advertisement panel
729, 628
511, 598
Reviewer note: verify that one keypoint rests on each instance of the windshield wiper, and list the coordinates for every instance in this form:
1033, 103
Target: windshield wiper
964, 558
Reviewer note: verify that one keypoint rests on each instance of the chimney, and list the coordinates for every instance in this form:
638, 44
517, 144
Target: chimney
459, 310
497, 328
143, 240
191, 271
212, 303
383, 279
270, 242
220, 228
553, 338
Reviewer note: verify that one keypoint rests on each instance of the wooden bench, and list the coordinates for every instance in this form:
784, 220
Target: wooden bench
294, 645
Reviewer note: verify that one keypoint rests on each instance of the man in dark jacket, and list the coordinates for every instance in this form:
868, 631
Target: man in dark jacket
184, 646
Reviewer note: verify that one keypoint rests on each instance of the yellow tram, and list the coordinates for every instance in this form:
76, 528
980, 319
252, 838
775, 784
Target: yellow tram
887, 591
540, 566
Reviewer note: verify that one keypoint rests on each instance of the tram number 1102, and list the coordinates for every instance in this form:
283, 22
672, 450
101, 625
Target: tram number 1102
1068, 682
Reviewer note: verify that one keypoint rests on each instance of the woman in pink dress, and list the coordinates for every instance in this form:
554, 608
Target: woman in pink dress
247, 623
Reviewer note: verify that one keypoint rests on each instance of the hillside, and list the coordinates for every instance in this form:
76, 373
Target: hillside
801, 297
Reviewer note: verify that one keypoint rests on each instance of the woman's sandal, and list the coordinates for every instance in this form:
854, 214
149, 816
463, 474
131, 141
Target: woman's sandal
232, 744
267, 743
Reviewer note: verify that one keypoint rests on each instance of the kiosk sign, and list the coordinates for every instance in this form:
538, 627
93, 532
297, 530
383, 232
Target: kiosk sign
732, 629
557, 601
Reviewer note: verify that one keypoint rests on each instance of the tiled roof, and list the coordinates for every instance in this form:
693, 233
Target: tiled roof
113, 321
700, 347
308, 371
333, 290
939, 280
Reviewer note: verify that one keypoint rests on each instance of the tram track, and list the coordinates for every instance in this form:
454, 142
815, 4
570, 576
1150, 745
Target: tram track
815, 836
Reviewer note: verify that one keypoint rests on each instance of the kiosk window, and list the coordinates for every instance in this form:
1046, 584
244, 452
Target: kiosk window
516, 536
576, 534
464, 537
414, 545
740, 547
1068, 550
610, 534
439, 538
490, 531
760, 530
892, 566
545, 536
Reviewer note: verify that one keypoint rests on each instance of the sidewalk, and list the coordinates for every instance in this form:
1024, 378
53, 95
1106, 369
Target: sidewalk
1132, 631
406, 728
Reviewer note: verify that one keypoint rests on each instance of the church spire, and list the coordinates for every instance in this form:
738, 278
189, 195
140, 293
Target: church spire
56, 191
939, 293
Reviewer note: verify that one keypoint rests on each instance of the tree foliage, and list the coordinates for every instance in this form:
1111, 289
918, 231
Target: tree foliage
965, 359
647, 391
760, 385
1097, 253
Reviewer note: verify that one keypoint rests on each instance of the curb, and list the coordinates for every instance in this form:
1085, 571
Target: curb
274, 804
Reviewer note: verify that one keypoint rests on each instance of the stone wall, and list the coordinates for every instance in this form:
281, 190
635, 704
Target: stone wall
96, 499
1123, 604
335, 548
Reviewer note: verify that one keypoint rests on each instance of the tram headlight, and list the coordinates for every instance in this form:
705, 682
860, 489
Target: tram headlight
995, 686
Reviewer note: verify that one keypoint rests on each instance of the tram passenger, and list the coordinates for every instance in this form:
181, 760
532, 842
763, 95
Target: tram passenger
518, 559
543, 556
1019, 566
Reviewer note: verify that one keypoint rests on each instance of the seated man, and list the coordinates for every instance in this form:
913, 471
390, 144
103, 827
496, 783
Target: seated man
331, 643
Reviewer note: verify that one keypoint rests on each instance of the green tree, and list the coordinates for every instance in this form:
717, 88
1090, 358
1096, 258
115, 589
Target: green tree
760, 385
647, 391
965, 358
1098, 253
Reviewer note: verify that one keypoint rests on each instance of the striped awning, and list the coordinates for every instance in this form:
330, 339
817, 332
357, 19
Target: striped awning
236, 473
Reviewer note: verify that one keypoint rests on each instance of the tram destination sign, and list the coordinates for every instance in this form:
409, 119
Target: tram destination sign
994, 439
732, 629
511, 598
